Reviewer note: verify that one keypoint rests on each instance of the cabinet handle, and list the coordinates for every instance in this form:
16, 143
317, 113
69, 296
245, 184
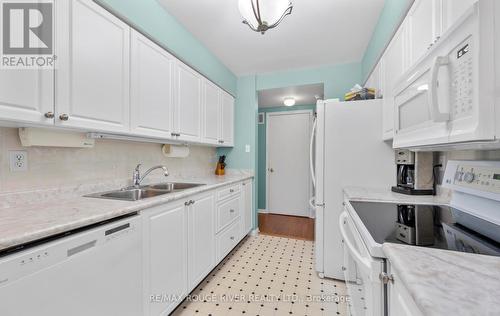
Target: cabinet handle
173, 134
64, 117
231, 211
231, 190
186, 203
49, 115
232, 237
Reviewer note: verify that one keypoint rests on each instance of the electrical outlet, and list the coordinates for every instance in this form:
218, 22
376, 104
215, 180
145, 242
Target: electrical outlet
18, 161
247, 148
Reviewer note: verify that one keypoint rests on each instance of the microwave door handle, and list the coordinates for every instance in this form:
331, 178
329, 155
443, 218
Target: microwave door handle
436, 114
357, 256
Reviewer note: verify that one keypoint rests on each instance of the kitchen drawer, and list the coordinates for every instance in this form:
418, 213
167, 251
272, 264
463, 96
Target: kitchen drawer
228, 191
227, 212
228, 239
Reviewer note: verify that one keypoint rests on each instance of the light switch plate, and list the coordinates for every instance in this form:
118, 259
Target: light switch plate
18, 161
247, 148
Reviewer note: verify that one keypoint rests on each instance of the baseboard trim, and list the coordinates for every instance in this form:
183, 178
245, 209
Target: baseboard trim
254, 232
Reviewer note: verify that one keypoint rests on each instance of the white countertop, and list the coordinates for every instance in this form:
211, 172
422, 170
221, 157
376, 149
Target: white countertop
385, 195
441, 282
25, 223
444, 282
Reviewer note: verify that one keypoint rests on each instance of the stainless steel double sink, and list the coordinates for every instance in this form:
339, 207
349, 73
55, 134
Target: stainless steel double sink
144, 191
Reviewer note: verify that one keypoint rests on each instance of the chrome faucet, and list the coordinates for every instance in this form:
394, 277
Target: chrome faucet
137, 178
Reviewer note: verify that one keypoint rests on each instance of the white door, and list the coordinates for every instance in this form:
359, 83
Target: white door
211, 113
394, 66
423, 27
187, 121
288, 176
247, 206
27, 96
92, 79
227, 108
165, 257
151, 89
201, 238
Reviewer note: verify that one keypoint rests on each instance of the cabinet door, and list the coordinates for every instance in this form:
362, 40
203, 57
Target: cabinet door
227, 126
92, 79
152, 98
400, 302
248, 206
452, 10
165, 257
394, 66
211, 112
423, 27
188, 103
201, 238
27, 95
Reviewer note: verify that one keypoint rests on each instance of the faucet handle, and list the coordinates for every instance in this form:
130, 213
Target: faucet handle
138, 167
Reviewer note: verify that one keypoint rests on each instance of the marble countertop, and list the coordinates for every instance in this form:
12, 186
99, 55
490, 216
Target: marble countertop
38, 219
385, 195
444, 282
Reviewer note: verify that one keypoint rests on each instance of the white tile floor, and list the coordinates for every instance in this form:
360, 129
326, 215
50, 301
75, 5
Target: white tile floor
267, 276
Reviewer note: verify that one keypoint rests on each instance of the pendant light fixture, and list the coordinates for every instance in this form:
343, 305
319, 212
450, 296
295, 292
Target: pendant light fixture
262, 15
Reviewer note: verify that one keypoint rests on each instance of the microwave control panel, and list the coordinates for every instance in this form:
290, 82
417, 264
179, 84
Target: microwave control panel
481, 178
462, 79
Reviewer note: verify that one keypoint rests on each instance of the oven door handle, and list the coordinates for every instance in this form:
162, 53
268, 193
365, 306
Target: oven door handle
364, 262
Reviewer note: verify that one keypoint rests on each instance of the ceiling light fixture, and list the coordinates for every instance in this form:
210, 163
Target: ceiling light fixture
289, 101
261, 16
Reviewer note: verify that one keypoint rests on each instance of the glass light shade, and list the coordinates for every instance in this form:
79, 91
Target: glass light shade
289, 101
270, 10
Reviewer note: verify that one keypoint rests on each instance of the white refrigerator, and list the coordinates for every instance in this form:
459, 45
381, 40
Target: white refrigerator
349, 151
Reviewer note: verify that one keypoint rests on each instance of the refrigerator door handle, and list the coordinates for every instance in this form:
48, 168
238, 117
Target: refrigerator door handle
311, 153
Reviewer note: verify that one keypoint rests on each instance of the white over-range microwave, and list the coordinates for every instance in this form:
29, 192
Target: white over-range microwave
451, 96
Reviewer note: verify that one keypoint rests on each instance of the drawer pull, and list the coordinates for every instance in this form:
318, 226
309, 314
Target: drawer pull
231, 190
232, 237
231, 211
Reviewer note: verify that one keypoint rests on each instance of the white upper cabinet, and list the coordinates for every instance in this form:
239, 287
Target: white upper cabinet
452, 10
201, 247
187, 122
211, 113
92, 79
27, 96
423, 27
152, 88
227, 114
394, 64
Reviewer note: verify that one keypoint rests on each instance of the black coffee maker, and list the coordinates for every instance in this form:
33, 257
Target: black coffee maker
414, 174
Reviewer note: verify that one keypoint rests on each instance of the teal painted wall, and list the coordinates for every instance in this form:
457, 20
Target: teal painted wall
152, 18
338, 79
388, 22
261, 161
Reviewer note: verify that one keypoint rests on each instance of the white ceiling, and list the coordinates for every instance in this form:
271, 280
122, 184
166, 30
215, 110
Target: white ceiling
318, 32
303, 95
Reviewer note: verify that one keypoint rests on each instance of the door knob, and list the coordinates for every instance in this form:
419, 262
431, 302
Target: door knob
64, 117
49, 115
271, 170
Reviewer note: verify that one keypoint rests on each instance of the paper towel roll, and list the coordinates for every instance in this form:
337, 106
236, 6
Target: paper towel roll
175, 151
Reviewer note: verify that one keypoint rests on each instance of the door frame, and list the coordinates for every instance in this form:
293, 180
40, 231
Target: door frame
309, 182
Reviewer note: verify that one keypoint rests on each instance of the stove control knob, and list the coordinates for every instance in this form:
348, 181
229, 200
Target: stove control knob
469, 177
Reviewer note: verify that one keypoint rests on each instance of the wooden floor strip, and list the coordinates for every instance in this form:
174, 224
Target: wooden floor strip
287, 226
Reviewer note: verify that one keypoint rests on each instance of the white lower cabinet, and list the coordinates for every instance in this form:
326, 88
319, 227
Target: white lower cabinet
247, 199
182, 245
165, 258
201, 238
400, 301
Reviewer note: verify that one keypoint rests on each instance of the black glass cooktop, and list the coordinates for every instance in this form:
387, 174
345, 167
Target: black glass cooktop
451, 229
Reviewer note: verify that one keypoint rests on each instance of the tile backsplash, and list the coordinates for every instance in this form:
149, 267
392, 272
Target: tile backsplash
108, 161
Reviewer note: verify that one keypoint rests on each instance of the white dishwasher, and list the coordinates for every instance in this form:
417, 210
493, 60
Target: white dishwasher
96, 271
